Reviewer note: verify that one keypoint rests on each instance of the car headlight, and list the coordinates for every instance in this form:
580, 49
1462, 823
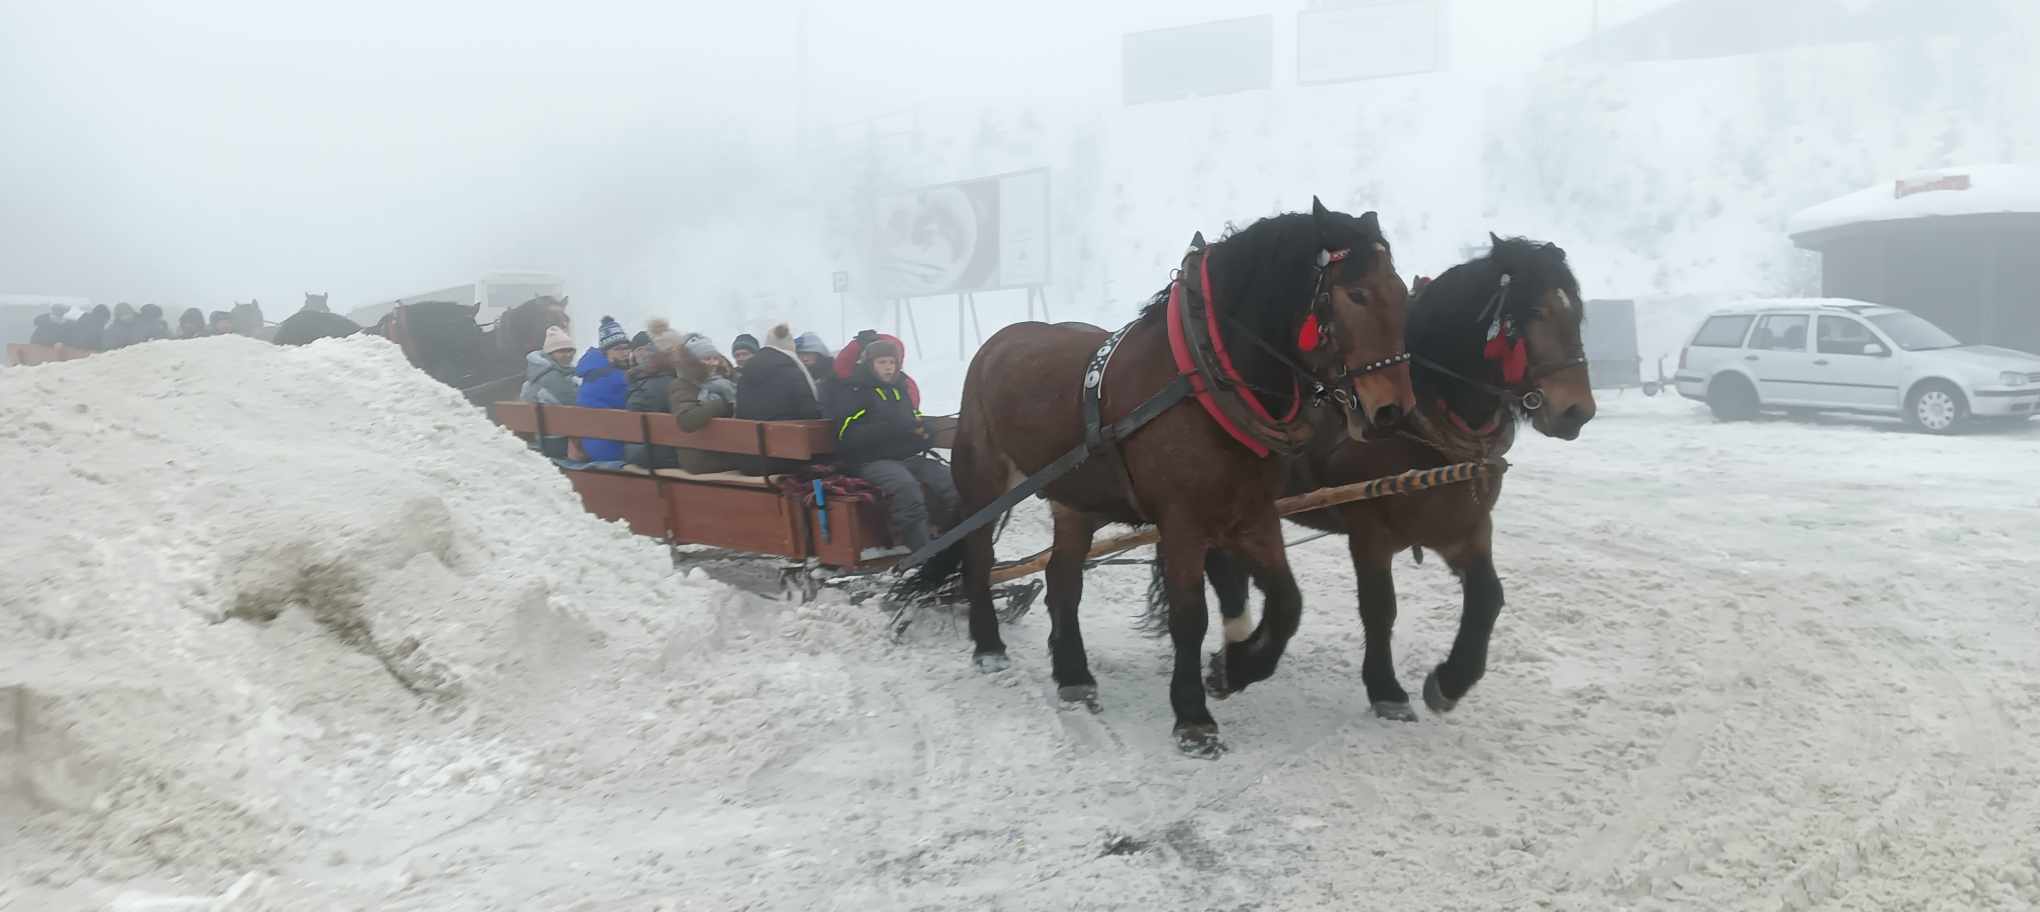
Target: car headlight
2011, 378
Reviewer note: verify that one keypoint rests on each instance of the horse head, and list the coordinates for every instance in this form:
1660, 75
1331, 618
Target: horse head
1353, 333
316, 303
1503, 331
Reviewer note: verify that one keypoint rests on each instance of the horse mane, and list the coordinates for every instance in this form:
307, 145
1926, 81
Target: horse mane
1262, 277
1448, 321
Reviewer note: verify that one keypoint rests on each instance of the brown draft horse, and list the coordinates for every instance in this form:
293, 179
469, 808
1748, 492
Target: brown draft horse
442, 339
1276, 283
1495, 341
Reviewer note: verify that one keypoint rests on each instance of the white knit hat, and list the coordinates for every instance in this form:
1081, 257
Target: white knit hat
556, 339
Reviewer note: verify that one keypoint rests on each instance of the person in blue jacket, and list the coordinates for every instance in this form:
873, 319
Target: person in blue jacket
605, 384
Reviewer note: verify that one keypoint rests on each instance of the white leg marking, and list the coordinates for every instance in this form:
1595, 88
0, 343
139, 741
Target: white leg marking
1238, 629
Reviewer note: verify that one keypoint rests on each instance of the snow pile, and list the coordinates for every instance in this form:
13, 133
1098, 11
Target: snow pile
252, 594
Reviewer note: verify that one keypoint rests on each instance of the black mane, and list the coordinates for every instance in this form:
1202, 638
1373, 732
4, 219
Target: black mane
1448, 321
1262, 279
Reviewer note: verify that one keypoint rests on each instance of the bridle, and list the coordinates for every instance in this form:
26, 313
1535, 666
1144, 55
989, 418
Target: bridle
1526, 394
1320, 330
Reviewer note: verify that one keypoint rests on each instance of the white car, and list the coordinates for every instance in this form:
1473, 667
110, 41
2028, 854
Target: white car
1848, 356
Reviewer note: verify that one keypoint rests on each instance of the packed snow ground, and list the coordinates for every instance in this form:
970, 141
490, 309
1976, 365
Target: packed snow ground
295, 629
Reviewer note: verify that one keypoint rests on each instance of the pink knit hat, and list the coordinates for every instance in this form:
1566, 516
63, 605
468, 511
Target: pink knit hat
556, 339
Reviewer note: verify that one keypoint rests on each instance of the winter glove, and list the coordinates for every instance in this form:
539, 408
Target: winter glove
721, 389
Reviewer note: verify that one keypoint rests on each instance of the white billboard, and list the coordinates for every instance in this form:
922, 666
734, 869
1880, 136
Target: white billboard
1369, 40
973, 235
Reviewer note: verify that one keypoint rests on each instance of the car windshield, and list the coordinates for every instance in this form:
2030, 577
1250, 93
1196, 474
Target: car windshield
1912, 333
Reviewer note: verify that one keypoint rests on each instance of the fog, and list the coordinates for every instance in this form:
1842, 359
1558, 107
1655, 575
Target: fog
695, 160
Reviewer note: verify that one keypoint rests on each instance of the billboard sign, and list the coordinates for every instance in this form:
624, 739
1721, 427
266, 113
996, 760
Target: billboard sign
1195, 61
974, 235
1369, 40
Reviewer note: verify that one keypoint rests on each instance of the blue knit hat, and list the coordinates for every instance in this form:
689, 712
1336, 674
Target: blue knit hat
610, 334
808, 343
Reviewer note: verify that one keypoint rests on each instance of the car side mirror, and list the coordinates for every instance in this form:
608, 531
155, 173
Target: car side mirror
1875, 349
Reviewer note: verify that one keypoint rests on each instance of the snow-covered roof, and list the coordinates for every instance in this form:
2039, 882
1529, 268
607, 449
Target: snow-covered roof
1940, 193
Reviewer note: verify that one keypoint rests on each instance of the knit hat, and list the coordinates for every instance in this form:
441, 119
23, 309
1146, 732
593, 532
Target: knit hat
123, 309
641, 340
610, 334
780, 337
744, 342
150, 312
701, 347
883, 348
811, 344
557, 339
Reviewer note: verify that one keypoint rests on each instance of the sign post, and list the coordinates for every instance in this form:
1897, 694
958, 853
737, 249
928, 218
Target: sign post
840, 281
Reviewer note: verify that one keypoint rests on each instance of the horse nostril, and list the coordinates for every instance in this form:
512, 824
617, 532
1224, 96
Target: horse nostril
1578, 416
1388, 416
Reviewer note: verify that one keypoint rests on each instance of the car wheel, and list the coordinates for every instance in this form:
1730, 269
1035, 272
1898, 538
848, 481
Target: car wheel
1936, 407
1731, 398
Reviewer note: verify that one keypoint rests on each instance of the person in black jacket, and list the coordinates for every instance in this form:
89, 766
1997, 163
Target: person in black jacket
775, 386
881, 439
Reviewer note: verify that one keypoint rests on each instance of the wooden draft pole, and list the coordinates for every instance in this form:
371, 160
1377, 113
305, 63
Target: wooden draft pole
1406, 483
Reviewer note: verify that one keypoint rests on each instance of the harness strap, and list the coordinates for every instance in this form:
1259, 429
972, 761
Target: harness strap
1177, 390
1095, 436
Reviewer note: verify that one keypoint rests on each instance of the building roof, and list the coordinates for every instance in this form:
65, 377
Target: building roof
1939, 193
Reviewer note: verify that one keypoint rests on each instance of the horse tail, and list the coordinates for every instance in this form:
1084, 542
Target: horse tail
930, 578
1154, 621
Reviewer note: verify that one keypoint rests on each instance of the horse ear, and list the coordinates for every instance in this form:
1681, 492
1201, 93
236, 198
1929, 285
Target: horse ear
1197, 241
1319, 215
1370, 222
1494, 240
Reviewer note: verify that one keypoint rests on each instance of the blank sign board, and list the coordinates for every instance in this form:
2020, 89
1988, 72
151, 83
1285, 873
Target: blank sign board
1369, 41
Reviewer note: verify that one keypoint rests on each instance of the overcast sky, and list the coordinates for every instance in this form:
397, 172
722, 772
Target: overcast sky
201, 151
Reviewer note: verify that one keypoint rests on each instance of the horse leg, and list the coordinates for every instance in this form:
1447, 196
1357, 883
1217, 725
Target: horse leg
1182, 552
1243, 663
1482, 604
1073, 533
977, 490
1229, 579
1374, 577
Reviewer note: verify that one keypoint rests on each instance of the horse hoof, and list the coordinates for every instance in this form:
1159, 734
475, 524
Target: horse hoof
1395, 710
1200, 740
1216, 683
1085, 695
991, 662
1434, 696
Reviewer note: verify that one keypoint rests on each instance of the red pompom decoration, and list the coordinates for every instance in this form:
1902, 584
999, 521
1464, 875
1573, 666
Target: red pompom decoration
1311, 336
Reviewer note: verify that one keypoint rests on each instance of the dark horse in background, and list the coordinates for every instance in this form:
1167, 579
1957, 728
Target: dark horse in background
1300, 301
442, 339
1495, 341
313, 322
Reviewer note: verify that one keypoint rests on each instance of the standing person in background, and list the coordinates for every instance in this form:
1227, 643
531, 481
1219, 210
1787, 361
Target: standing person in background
880, 438
741, 350
816, 357
191, 323
90, 329
47, 331
605, 385
149, 325
121, 332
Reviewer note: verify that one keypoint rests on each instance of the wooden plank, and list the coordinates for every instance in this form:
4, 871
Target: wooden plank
742, 519
720, 435
517, 417
854, 525
600, 424
631, 498
803, 440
